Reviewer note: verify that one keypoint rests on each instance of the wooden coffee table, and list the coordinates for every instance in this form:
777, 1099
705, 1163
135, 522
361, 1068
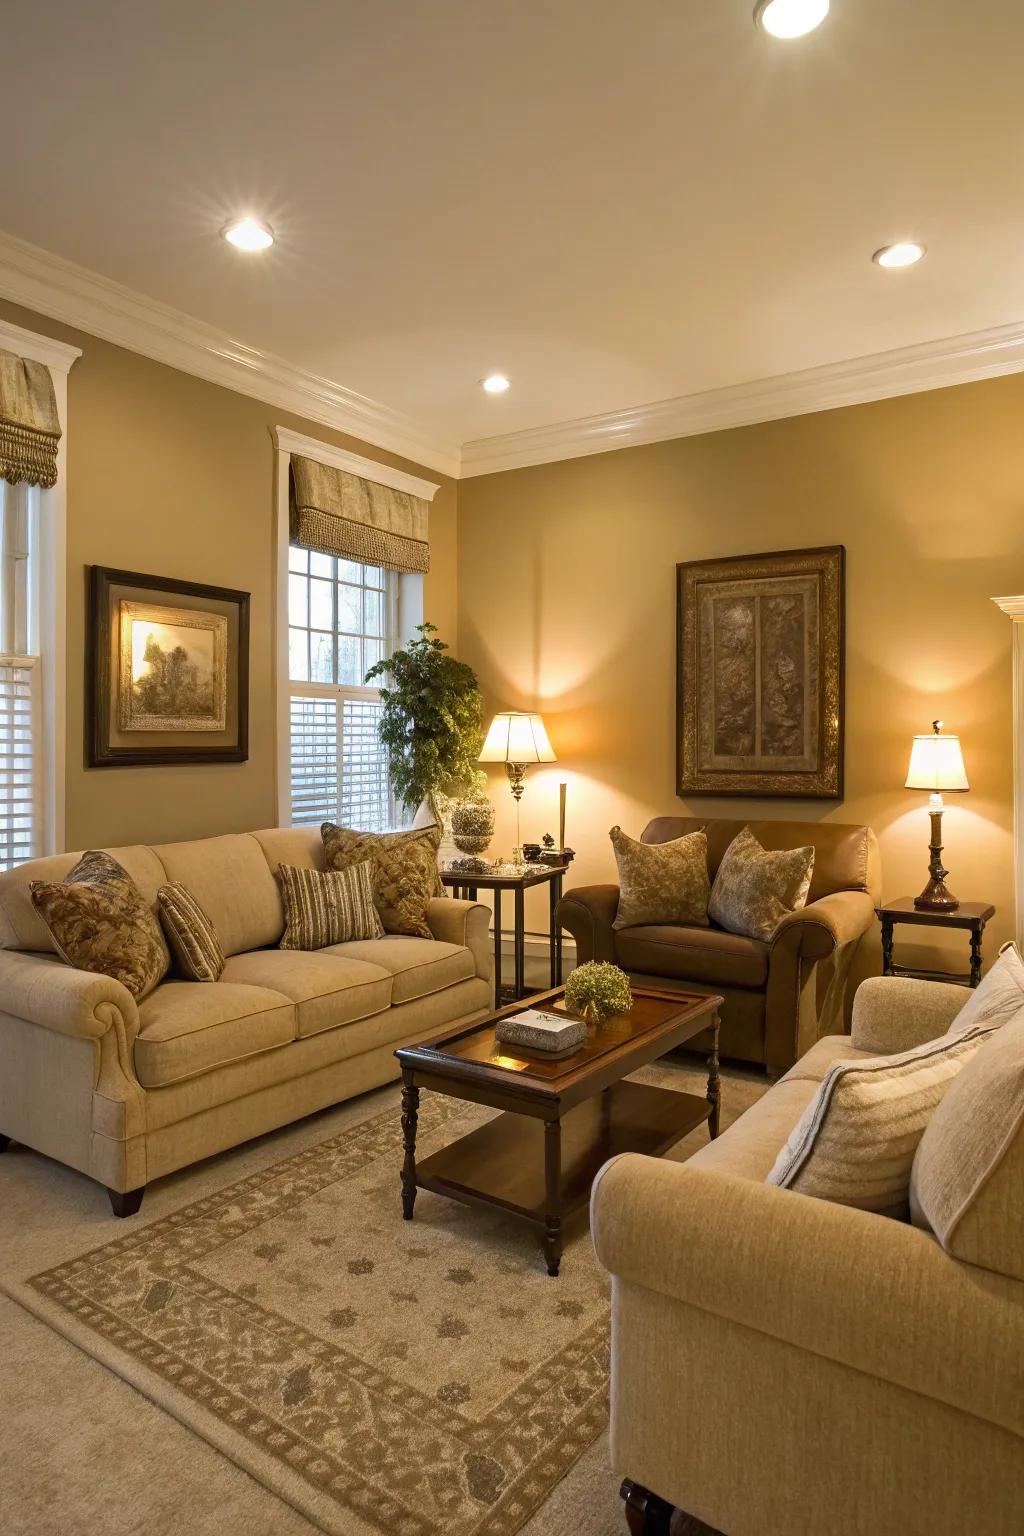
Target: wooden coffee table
563, 1118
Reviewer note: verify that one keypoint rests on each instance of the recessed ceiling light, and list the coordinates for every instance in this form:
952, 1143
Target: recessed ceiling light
248, 234
495, 383
790, 18
903, 254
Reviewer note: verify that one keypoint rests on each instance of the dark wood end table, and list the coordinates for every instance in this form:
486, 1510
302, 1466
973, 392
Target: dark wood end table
467, 885
563, 1119
969, 915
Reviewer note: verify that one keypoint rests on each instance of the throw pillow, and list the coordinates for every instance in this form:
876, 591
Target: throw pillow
998, 998
99, 921
331, 906
969, 1170
754, 889
404, 868
190, 934
662, 882
855, 1142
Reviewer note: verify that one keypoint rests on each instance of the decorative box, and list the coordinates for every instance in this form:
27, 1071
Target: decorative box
535, 1030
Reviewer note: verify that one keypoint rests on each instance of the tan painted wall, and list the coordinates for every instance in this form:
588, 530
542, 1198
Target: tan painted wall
567, 605
171, 475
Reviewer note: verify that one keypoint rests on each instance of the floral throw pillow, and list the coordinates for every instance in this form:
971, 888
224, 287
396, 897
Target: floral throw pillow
662, 882
99, 921
755, 889
403, 866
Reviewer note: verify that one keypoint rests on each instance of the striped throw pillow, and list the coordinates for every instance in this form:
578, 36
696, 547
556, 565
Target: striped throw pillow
856, 1140
331, 906
191, 935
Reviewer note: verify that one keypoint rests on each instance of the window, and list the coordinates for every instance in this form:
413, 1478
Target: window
21, 757
342, 619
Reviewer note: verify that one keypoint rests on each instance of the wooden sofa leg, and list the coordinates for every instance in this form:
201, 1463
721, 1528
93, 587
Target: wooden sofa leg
5, 1142
126, 1202
646, 1513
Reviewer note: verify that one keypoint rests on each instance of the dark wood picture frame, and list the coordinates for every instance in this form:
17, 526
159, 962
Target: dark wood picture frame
818, 774
100, 752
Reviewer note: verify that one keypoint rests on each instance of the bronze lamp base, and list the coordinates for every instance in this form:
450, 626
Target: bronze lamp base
936, 896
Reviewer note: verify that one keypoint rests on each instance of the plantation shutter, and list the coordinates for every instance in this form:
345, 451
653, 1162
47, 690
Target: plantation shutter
20, 768
338, 766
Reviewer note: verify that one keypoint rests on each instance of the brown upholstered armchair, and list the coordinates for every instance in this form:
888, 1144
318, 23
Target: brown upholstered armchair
772, 1012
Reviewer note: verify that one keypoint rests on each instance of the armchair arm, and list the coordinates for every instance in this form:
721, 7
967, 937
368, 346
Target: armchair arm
45, 991
863, 1290
588, 913
463, 922
895, 1013
821, 927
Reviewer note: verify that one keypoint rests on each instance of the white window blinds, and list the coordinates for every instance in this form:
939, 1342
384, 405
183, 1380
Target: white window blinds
20, 677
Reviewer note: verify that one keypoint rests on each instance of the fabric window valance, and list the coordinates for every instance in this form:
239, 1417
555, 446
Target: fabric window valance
29, 426
342, 514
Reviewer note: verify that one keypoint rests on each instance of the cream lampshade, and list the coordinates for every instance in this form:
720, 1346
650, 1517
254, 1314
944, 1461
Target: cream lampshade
937, 764
517, 739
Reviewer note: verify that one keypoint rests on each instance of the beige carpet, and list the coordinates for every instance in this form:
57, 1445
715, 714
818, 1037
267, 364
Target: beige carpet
378, 1376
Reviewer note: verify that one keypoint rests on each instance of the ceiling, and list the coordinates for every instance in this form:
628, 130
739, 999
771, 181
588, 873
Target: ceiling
611, 203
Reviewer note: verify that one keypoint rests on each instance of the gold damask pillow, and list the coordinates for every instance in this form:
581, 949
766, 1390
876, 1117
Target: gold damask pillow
754, 889
99, 922
662, 882
404, 866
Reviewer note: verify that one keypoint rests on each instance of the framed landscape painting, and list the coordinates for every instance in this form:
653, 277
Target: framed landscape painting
167, 670
760, 675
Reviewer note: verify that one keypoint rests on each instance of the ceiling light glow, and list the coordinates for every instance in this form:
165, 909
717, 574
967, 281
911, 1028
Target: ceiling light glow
248, 234
790, 18
904, 254
495, 384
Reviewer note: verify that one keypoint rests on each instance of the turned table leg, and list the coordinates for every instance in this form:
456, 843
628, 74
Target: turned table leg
553, 1195
410, 1117
714, 1082
646, 1513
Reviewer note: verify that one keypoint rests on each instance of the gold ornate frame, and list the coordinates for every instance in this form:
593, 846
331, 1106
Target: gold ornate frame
130, 718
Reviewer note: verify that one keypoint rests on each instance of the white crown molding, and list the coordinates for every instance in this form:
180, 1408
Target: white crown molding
52, 286
291, 442
1014, 606
904, 371
55, 355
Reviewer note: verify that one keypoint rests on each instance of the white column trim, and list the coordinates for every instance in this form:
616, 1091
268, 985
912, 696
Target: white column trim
279, 620
1014, 607
288, 441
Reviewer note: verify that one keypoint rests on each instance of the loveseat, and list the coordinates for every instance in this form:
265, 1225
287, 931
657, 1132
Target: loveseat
127, 1092
774, 1005
785, 1365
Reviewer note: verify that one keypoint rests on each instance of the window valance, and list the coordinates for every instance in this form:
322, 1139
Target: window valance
29, 426
342, 514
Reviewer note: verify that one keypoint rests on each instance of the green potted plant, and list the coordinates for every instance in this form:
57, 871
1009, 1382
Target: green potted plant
431, 722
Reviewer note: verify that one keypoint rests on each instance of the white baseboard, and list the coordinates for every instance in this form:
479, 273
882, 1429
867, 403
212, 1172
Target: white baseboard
538, 947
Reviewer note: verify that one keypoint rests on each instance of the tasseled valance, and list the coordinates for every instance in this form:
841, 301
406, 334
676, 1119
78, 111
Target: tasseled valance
29, 427
339, 513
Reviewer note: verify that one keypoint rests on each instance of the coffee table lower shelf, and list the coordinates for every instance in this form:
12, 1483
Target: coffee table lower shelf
507, 1163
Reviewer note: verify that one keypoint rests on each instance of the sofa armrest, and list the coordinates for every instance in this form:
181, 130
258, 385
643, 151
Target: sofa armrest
895, 1013
588, 913
823, 925
45, 991
866, 1291
463, 922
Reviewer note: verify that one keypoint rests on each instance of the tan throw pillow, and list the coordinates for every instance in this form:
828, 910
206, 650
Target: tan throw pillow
855, 1142
967, 1183
405, 876
999, 997
332, 906
190, 934
754, 889
99, 922
662, 882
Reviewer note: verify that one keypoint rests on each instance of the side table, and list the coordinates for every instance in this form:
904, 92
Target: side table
467, 886
969, 915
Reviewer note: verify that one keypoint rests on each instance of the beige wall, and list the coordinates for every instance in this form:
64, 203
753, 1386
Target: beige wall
170, 475
567, 605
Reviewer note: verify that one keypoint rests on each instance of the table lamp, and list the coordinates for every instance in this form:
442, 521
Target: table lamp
517, 739
936, 764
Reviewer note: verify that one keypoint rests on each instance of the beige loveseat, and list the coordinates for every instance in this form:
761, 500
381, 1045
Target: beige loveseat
126, 1092
784, 1366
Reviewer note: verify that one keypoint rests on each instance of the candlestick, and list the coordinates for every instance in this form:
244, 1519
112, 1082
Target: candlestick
561, 815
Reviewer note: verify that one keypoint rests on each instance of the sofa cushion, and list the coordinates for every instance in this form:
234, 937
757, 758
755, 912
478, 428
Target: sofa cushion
100, 922
327, 906
419, 966
231, 879
967, 1183
749, 1147
190, 1027
694, 954
405, 873
998, 998
662, 882
192, 937
823, 1054
755, 889
327, 989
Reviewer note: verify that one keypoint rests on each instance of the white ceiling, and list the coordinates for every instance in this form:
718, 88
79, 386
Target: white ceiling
611, 203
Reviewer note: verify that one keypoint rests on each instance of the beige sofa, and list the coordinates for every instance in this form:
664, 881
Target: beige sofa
784, 1366
126, 1093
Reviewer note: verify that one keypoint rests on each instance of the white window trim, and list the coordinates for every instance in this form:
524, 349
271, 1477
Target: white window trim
410, 602
1014, 608
53, 550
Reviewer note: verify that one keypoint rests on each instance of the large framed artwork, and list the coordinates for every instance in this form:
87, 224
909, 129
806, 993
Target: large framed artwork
760, 675
167, 671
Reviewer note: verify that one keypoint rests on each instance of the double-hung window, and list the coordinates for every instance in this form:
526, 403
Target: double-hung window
342, 619
21, 764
